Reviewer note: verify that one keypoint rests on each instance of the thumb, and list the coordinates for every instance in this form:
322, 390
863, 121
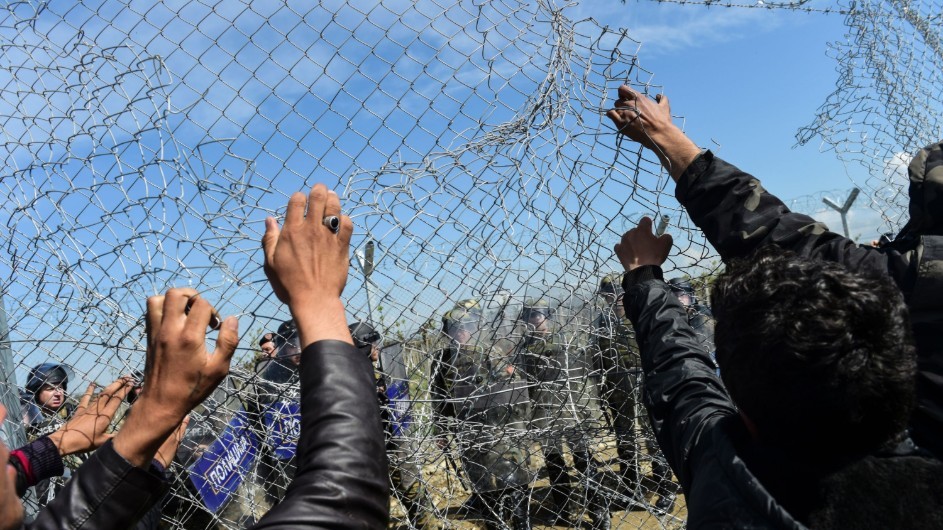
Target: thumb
663, 101
226, 342
666, 240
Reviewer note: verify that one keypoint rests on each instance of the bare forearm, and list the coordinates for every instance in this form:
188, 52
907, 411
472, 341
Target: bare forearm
143, 433
319, 319
675, 151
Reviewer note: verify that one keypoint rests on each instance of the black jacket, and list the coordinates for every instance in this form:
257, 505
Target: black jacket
341, 481
738, 216
342, 474
729, 480
106, 492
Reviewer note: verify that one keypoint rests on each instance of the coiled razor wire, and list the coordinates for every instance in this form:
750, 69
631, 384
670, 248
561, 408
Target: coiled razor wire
144, 143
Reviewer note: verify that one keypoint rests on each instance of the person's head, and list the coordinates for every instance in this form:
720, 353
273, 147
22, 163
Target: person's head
461, 322
267, 345
49, 384
819, 359
536, 314
684, 291
287, 343
366, 339
609, 287
925, 173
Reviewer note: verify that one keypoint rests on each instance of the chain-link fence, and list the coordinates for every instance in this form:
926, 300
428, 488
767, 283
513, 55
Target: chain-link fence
144, 143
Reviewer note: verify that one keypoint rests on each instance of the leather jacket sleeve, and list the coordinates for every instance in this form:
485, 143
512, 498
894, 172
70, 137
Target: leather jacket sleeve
106, 492
682, 392
342, 476
738, 216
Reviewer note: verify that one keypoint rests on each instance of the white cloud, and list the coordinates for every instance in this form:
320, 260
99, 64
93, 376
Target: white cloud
669, 29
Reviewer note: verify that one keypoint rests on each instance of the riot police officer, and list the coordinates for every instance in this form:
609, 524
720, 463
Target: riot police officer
618, 360
401, 450
560, 404
277, 396
699, 316
482, 401
47, 385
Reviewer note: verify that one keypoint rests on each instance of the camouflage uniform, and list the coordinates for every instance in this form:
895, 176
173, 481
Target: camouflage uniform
557, 375
618, 359
490, 405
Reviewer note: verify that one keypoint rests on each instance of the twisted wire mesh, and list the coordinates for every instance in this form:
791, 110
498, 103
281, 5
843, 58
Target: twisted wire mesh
143, 145
886, 104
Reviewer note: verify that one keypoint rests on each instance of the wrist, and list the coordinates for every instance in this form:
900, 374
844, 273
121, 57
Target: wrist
58, 439
641, 274
674, 149
144, 431
320, 319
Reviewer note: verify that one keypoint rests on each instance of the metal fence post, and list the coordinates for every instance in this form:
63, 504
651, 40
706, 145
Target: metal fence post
12, 432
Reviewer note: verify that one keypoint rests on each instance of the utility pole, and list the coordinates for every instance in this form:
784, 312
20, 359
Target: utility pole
365, 260
843, 210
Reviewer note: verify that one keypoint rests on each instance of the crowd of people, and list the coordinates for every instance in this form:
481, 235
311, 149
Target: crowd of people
808, 393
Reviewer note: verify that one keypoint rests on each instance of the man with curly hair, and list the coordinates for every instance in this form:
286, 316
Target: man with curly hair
807, 426
738, 216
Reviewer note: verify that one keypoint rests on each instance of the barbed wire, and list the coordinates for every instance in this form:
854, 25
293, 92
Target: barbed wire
143, 145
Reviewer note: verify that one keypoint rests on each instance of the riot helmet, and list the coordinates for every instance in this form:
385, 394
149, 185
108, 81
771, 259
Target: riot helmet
683, 290
287, 341
463, 317
48, 376
365, 337
610, 284
610, 287
267, 344
534, 306
466, 313
53, 374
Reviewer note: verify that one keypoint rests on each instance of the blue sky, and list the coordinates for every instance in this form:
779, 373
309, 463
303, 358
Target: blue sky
745, 81
168, 131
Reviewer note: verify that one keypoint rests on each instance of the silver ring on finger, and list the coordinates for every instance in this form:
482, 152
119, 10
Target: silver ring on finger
333, 223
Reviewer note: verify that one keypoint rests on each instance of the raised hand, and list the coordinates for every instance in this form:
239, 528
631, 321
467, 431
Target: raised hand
307, 263
181, 372
639, 246
648, 122
87, 430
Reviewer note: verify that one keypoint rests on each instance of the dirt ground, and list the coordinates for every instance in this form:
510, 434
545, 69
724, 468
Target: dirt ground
448, 494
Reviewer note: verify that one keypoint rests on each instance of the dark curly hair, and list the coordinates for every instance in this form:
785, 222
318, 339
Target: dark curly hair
819, 358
